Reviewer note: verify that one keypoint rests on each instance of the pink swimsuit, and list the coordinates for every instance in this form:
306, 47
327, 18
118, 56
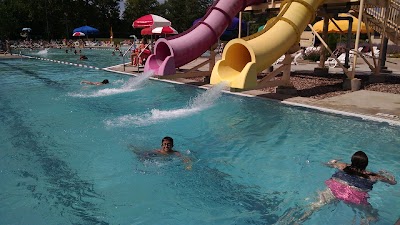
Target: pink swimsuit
347, 193
350, 188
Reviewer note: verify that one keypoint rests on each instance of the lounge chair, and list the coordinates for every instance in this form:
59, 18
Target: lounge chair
332, 63
376, 52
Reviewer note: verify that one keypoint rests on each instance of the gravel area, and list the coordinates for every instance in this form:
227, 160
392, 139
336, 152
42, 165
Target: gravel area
322, 87
315, 87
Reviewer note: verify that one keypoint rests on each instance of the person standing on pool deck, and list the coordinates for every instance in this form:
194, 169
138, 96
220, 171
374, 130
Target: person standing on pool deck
351, 184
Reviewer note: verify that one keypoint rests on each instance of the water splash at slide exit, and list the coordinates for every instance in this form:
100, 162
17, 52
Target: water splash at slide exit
199, 103
133, 84
43, 52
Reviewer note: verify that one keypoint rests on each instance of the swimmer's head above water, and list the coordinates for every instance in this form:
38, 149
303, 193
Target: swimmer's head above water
166, 144
105, 81
359, 163
359, 160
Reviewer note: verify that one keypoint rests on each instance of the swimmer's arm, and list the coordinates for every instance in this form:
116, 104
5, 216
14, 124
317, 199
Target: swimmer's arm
88, 82
336, 164
186, 160
384, 177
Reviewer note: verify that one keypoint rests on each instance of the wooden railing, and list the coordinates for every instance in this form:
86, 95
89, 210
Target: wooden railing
384, 19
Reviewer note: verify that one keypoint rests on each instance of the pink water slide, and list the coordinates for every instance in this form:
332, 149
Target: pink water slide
181, 49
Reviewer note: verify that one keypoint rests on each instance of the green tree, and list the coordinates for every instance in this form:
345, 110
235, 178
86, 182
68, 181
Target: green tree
182, 14
135, 9
51, 19
16, 14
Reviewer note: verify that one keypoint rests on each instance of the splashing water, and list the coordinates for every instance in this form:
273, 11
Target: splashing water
207, 98
133, 84
199, 103
43, 52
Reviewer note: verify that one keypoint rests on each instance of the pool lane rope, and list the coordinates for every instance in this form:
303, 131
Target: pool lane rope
64, 62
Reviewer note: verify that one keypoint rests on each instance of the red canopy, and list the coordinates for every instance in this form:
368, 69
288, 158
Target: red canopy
146, 31
151, 20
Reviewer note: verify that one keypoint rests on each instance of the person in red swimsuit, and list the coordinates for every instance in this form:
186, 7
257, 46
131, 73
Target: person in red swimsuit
140, 53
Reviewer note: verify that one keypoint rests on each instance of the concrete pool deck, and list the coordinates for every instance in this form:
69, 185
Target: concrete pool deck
372, 105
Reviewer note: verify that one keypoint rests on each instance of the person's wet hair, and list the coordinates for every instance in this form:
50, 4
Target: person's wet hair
168, 139
105, 81
359, 162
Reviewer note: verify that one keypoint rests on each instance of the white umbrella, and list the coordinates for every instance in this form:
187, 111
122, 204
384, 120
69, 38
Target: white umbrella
151, 20
164, 30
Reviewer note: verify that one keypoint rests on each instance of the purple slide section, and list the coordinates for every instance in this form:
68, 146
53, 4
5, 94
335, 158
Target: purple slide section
183, 48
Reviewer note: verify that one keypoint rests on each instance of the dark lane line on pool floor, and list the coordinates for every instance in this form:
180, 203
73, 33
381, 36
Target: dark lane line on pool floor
66, 187
34, 74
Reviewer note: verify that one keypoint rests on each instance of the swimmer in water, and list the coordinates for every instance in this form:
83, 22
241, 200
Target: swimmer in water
94, 83
351, 184
167, 144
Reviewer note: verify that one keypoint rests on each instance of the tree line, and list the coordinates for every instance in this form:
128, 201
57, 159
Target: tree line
56, 19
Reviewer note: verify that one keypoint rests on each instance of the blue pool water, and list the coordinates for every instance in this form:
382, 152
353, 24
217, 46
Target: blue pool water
69, 153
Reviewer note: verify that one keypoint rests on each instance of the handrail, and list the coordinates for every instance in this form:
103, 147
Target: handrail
130, 47
126, 52
140, 53
145, 47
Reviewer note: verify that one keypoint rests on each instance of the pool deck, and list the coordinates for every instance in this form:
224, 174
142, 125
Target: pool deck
372, 105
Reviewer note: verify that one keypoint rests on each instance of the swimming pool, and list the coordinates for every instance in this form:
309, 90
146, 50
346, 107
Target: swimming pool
67, 153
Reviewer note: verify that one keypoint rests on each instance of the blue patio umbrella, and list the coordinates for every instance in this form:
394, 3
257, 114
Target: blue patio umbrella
87, 30
235, 24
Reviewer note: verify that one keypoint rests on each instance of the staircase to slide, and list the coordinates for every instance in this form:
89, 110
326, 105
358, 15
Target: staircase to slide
383, 16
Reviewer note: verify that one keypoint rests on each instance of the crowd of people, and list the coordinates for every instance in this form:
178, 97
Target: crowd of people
138, 55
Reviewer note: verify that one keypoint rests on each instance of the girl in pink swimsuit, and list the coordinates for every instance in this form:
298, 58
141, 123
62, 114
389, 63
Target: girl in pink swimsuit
351, 183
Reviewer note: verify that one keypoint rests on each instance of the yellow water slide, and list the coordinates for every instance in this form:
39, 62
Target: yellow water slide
242, 59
